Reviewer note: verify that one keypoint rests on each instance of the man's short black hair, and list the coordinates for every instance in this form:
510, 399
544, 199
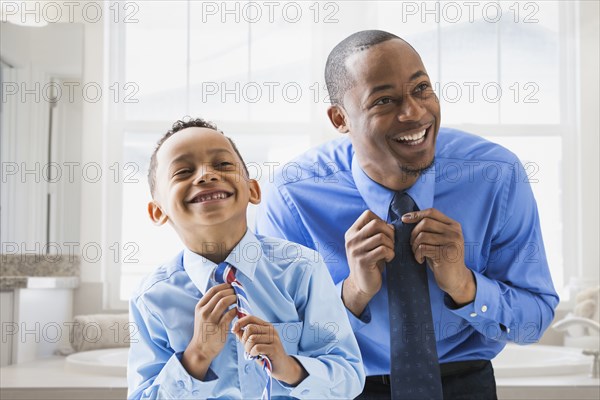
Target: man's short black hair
337, 77
179, 126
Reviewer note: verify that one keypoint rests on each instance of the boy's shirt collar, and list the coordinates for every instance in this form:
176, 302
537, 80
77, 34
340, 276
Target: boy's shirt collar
244, 257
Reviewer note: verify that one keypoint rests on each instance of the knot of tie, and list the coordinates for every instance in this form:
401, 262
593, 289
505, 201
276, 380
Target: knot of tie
401, 204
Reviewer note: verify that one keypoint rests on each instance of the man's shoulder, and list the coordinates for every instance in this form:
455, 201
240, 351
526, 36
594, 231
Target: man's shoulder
453, 144
328, 158
285, 253
161, 276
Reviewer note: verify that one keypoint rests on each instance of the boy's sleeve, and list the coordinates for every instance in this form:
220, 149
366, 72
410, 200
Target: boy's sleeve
154, 370
328, 349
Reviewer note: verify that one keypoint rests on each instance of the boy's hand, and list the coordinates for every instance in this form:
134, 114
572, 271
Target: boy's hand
261, 338
211, 324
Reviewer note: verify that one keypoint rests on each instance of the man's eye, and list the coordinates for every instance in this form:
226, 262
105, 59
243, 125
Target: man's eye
384, 100
422, 87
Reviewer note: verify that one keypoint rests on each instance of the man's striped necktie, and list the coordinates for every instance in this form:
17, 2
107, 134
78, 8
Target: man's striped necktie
226, 273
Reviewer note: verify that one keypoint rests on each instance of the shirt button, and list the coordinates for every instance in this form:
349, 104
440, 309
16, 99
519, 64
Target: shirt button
305, 392
196, 392
181, 384
247, 368
473, 315
507, 330
483, 308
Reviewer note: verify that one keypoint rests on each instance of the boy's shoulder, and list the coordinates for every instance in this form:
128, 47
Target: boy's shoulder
165, 274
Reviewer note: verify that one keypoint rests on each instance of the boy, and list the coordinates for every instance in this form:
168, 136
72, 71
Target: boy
293, 336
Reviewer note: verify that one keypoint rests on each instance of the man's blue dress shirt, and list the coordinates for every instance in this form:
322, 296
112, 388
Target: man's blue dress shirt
287, 285
318, 196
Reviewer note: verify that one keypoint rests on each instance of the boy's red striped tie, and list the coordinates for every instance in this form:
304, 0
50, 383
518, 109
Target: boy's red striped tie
226, 273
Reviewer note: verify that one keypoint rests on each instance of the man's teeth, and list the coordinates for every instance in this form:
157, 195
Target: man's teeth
414, 136
213, 196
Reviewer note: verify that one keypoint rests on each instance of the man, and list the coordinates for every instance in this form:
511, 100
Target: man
476, 228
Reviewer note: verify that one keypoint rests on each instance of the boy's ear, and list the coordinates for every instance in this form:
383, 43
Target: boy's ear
156, 213
254, 191
337, 116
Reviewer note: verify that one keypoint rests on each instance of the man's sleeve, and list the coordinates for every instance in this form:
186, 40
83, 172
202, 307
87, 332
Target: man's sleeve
278, 217
515, 297
154, 370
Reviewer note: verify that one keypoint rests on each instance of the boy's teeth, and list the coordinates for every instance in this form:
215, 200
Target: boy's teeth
414, 136
214, 196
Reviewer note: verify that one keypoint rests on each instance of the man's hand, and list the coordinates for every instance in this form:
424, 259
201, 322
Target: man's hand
439, 240
211, 324
261, 338
369, 245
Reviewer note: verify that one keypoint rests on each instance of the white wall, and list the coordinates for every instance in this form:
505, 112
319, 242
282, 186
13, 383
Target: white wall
589, 124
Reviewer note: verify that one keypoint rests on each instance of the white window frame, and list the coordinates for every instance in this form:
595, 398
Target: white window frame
116, 125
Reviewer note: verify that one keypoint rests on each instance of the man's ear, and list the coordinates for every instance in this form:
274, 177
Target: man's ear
337, 116
156, 213
254, 191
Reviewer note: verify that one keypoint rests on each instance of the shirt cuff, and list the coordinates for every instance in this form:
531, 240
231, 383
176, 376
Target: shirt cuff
316, 385
175, 381
356, 323
484, 308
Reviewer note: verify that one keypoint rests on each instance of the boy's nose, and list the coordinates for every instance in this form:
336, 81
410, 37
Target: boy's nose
208, 175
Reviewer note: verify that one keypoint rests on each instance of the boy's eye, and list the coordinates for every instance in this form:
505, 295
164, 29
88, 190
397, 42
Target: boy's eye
224, 165
182, 172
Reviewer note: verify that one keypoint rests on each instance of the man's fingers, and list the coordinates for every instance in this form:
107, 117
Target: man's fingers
374, 227
364, 219
416, 216
379, 239
381, 253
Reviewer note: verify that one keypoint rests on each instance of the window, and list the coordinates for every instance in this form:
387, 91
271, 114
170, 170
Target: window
501, 70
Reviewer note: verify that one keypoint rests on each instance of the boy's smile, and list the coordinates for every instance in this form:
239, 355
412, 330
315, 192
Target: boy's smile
201, 187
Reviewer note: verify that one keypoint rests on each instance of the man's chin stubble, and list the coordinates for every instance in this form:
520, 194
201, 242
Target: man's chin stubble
416, 170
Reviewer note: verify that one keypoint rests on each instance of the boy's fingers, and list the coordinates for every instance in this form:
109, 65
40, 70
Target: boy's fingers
255, 341
211, 292
248, 319
221, 305
228, 317
253, 329
260, 350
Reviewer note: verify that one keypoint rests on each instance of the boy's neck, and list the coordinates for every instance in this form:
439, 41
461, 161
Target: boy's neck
216, 243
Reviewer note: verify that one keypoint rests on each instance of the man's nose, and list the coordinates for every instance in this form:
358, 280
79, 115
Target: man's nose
410, 110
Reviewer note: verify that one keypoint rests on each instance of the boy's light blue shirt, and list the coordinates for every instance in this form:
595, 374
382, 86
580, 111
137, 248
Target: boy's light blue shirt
287, 285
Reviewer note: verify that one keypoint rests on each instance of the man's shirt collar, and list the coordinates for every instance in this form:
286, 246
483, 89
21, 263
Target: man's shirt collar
379, 198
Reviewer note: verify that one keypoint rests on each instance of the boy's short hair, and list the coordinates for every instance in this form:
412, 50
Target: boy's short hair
179, 126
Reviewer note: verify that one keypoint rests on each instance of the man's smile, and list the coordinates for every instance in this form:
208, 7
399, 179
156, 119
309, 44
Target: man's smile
414, 137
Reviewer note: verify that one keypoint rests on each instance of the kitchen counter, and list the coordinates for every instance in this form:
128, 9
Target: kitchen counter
35, 271
49, 379
38, 282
